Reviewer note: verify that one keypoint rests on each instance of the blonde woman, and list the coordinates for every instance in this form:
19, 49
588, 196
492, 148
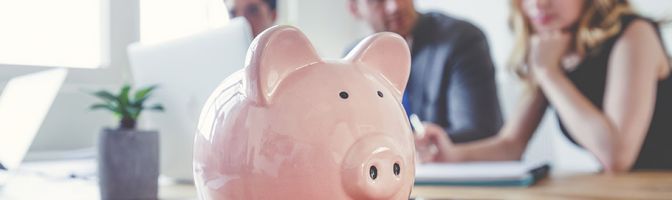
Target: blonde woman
601, 67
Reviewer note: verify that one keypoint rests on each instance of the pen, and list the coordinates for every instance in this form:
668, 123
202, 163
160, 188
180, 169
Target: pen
417, 125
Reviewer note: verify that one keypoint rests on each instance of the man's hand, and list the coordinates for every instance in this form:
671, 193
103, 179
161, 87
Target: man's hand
434, 145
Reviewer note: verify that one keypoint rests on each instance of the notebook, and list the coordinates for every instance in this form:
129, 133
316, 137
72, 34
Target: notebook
509, 173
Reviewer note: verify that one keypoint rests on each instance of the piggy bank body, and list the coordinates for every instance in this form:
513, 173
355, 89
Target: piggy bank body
293, 126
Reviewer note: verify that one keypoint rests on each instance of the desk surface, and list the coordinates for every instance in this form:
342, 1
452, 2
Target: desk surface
637, 185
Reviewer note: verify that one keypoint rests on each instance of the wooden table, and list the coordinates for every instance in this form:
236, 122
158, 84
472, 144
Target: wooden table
636, 185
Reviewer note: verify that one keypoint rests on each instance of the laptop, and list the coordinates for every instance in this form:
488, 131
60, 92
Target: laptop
24, 103
187, 71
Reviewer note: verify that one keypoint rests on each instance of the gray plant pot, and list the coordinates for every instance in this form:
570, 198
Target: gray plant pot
128, 164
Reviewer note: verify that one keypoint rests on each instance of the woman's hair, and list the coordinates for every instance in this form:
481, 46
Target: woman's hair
600, 20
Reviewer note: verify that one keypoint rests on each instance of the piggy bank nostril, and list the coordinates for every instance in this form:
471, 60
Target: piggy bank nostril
396, 169
343, 95
373, 172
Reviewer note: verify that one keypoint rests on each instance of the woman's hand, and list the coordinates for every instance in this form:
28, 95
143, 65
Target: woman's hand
546, 52
434, 145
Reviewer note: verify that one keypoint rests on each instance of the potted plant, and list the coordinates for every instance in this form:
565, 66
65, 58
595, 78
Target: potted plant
128, 158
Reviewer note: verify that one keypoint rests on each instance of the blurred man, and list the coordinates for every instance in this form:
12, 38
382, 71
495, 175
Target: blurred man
452, 81
261, 14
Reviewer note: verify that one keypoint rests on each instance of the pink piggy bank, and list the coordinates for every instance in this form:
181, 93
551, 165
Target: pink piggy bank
293, 126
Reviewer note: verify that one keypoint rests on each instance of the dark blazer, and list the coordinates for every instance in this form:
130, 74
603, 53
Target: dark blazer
452, 81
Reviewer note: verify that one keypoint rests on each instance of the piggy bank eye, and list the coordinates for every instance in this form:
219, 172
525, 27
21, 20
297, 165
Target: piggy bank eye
344, 95
373, 172
380, 94
396, 169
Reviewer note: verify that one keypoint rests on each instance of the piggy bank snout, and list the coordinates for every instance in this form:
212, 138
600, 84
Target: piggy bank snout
374, 168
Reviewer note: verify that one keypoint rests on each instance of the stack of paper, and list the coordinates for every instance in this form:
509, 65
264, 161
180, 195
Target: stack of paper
480, 174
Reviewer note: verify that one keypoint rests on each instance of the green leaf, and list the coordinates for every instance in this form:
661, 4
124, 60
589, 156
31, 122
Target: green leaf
156, 107
117, 115
109, 107
134, 112
123, 100
142, 95
123, 94
122, 105
105, 95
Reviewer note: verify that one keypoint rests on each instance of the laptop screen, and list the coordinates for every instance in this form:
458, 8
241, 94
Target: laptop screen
24, 103
187, 71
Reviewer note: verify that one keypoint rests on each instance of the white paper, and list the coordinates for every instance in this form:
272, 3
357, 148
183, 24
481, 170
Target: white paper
473, 171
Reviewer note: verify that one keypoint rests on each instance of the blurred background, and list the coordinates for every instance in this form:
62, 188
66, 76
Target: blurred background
90, 39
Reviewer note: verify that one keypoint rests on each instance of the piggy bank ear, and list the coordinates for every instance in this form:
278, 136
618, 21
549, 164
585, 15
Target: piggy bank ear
274, 55
388, 54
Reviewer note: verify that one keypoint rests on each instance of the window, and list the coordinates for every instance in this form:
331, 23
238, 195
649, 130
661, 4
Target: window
60, 33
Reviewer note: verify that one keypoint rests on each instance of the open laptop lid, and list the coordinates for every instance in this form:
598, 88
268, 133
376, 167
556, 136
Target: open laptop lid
24, 103
187, 71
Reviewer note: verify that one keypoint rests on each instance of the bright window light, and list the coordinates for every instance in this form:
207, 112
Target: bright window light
162, 20
60, 33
